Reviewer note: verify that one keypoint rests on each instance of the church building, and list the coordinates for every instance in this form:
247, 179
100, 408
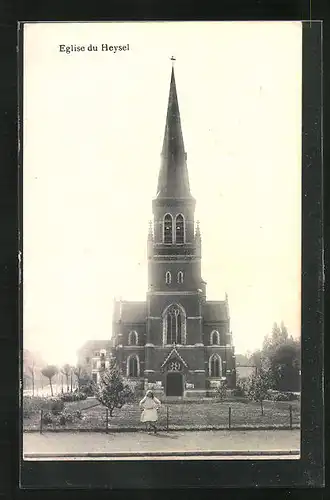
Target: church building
176, 341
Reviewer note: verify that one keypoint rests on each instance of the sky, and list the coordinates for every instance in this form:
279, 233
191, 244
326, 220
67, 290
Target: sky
93, 124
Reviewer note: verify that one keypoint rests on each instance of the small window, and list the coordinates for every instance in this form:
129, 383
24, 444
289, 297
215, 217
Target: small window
168, 229
179, 229
168, 277
215, 338
180, 277
132, 338
97, 354
87, 359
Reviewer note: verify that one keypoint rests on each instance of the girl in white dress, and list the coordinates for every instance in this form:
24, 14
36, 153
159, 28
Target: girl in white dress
150, 406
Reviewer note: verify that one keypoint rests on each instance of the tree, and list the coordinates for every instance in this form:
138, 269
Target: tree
112, 391
78, 371
86, 383
282, 354
71, 377
66, 369
31, 370
221, 391
259, 385
49, 372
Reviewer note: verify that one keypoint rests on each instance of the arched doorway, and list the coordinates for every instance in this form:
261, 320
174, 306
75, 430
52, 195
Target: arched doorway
174, 384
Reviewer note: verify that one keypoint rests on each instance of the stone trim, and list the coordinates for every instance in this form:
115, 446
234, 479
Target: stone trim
133, 347
177, 354
172, 257
174, 293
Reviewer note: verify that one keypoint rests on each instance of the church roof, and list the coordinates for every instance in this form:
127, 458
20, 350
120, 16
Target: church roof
215, 310
173, 180
133, 312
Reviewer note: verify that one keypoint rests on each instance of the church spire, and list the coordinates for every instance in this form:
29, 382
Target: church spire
173, 180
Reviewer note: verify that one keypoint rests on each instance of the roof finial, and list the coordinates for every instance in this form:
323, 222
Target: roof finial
173, 59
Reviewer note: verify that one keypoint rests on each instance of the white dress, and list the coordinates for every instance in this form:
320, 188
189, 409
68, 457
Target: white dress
150, 407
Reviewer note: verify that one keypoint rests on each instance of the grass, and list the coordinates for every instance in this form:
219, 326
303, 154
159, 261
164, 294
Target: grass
194, 415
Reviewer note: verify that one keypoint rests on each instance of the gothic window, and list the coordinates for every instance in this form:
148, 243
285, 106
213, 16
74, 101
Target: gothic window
168, 230
94, 377
215, 368
168, 277
179, 229
132, 366
174, 322
180, 277
215, 338
132, 338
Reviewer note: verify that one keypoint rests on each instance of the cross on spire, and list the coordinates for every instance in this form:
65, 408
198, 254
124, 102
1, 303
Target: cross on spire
173, 59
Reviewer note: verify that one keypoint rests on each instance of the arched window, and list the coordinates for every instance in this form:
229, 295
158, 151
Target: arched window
215, 338
179, 229
215, 366
168, 278
180, 277
168, 229
133, 366
132, 338
174, 325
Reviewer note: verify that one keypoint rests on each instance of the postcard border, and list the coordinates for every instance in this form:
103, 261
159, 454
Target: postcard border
309, 470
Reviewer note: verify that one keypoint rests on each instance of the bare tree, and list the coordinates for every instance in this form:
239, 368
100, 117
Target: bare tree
31, 370
66, 369
49, 372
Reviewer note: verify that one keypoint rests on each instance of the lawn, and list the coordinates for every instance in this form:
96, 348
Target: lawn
190, 415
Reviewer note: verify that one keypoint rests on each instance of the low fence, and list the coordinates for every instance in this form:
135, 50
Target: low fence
218, 415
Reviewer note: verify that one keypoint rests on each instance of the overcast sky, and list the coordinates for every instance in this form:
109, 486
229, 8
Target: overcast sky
93, 131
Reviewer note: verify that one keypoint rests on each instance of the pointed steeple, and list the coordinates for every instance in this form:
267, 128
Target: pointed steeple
173, 180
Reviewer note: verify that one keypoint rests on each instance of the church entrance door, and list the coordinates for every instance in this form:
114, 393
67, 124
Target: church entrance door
174, 384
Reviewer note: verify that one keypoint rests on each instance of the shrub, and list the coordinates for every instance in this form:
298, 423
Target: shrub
221, 392
283, 396
73, 396
56, 406
47, 418
241, 388
67, 417
136, 388
32, 404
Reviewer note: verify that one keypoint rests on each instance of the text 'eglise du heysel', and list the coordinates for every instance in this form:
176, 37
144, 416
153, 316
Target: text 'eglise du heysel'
104, 47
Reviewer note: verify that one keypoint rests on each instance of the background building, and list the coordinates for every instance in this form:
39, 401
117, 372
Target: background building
94, 355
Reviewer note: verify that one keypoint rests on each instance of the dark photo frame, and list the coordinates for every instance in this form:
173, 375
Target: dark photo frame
308, 471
